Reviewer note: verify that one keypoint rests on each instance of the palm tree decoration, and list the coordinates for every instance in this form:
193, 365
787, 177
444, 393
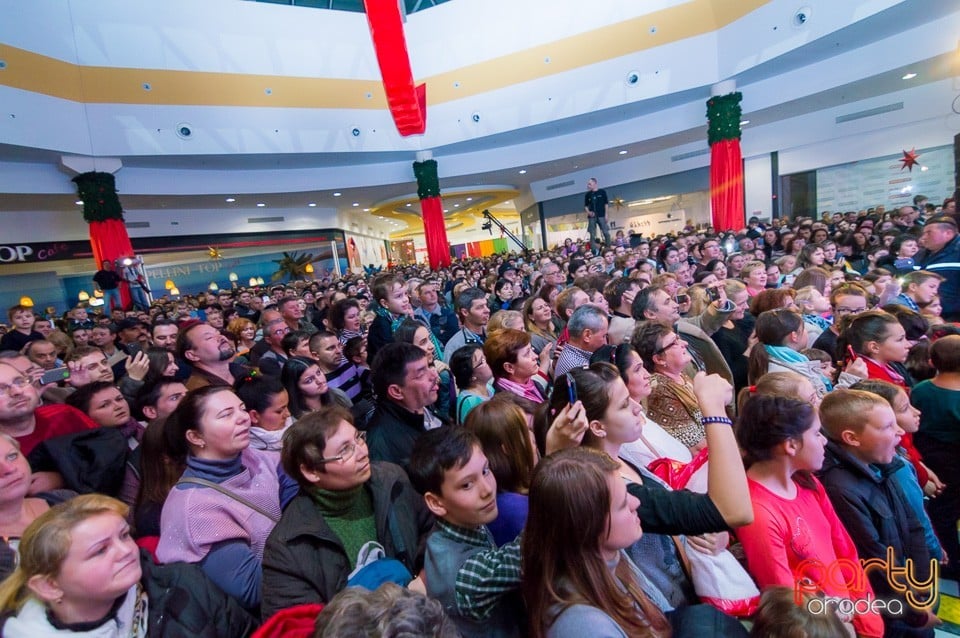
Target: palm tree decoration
618, 203
293, 265
213, 252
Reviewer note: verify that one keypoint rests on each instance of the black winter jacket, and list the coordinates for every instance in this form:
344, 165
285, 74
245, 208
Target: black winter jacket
305, 562
877, 515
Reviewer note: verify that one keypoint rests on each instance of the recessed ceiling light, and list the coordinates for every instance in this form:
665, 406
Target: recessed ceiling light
909, 76
312, 204
260, 204
366, 210
409, 205
456, 205
523, 171
356, 203
744, 122
446, 210
623, 152
469, 199
230, 200
337, 194
79, 202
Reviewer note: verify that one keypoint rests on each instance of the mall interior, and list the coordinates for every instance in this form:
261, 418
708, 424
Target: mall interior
239, 130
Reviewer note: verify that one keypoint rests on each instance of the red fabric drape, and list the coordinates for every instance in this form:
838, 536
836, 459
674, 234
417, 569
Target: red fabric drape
726, 185
435, 229
109, 240
408, 104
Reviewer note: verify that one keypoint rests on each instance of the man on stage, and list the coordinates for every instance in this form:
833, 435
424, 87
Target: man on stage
595, 203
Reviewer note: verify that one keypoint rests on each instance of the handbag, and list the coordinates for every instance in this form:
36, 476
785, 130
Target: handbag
216, 486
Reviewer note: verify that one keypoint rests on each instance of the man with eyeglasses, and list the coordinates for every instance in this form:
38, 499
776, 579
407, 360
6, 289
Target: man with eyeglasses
709, 250
847, 299
23, 418
271, 362
552, 274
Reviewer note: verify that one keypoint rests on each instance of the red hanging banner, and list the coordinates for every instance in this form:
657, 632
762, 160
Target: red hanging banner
408, 103
726, 162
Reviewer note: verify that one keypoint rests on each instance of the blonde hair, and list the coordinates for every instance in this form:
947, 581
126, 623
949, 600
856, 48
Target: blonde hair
844, 409
500, 319
46, 542
805, 296
784, 384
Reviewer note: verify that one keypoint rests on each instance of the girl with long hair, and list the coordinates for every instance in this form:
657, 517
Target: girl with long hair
81, 574
307, 388
223, 528
538, 320
511, 452
794, 521
474, 378
581, 517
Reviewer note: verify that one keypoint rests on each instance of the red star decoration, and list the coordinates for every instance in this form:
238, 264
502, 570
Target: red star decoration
909, 159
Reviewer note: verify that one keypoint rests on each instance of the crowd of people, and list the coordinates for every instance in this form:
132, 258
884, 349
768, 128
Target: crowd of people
578, 441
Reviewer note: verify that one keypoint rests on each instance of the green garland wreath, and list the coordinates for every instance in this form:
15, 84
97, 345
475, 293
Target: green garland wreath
428, 184
723, 115
98, 191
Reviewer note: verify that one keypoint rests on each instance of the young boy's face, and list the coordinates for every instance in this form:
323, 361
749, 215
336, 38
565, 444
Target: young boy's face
468, 495
877, 442
23, 320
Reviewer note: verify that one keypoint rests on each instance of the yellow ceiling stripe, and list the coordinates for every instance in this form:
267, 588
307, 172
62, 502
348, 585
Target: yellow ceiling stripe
38, 73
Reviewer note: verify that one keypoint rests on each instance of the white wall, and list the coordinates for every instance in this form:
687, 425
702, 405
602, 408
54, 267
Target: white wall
758, 186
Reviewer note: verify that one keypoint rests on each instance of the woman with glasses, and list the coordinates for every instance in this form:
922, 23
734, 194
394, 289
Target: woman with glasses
672, 402
220, 512
353, 523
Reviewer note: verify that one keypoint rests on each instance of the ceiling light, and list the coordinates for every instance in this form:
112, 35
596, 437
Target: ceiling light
445, 210
456, 205
409, 205
366, 210
356, 203
337, 194
523, 171
79, 202
744, 122
260, 204
623, 152
469, 199
312, 204
230, 200
909, 76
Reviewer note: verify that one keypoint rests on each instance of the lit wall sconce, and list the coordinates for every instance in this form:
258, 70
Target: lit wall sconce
233, 276
175, 291
169, 285
308, 269
259, 281
96, 302
26, 301
253, 281
83, 296
98, 294
213, 287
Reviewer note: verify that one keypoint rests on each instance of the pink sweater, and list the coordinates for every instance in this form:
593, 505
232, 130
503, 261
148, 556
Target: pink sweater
195, 518
786, 532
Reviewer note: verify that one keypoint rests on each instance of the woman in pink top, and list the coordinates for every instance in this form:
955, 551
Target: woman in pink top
796, 538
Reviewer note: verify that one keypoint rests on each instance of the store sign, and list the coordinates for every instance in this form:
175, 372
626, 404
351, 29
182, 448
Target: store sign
54, 251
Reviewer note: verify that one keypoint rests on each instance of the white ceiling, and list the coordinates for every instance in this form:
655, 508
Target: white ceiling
855, 67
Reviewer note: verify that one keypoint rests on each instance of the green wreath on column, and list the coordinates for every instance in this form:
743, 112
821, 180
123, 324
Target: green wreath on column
428, 184
98, 192
723, 115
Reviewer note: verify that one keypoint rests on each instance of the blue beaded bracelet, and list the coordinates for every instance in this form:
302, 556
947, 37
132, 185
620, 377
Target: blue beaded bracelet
716, 419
